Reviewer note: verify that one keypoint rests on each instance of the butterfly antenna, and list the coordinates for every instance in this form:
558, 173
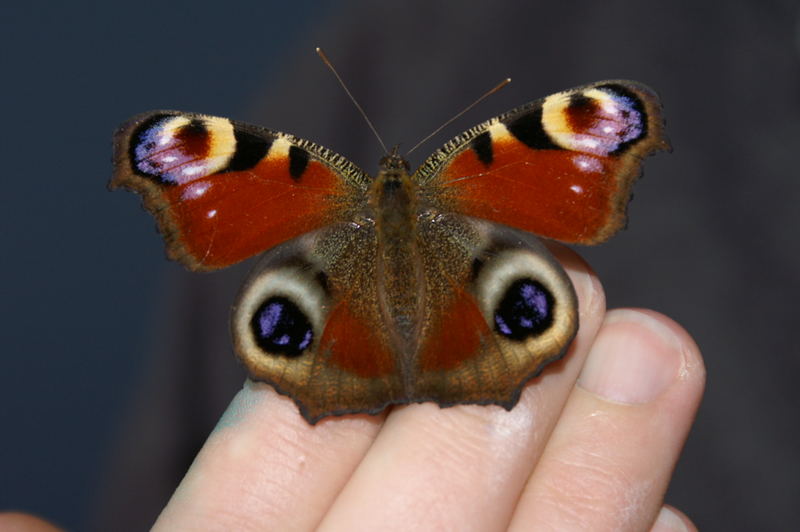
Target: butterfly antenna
470, 106
328, 63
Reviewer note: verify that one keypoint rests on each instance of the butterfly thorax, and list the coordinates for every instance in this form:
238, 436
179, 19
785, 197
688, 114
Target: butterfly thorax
399, 270
392, 197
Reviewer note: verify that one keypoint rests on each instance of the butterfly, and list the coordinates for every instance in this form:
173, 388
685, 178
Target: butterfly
403, 287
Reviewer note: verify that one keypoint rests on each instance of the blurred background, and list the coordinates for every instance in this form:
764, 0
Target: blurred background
116, 363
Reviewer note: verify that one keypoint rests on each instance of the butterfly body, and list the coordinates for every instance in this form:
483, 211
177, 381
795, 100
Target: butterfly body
408, 287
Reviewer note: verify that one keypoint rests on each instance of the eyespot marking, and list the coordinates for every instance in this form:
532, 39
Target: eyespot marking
281, 328
178, 149
602, 120
525, 310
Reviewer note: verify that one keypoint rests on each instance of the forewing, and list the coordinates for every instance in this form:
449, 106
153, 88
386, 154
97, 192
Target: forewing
222, 191
561, 167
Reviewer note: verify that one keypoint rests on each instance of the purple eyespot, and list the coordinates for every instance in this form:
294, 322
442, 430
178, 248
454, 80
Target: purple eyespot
605, 126
627, 122
171, 154
281, 328
526, 310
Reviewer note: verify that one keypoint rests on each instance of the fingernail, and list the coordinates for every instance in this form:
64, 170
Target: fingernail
634, 358
669, 521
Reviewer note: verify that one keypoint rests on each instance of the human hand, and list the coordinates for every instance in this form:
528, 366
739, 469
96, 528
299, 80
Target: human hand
590, 446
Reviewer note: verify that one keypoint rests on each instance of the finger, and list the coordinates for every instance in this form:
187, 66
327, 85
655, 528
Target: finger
671, 520
608, 462
20, 522
264, 467
462, 468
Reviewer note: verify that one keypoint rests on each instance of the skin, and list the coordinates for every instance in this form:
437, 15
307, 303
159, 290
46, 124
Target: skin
590, 446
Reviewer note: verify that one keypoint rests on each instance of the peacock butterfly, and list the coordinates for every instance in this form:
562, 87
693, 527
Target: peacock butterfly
406, 287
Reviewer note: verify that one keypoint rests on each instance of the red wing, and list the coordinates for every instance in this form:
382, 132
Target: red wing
456, 336
354, 345
561, 167
306, 322
496, 315
223, 191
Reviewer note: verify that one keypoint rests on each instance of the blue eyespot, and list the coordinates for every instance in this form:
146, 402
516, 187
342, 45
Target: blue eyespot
526, 310
280, 327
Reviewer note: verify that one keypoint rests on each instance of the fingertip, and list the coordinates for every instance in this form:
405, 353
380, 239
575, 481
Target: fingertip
639, 355
587, 285
22, 522
692, 367
569, 258
672, 520
621, 431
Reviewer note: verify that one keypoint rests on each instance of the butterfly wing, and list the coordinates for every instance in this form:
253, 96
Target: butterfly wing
561, 167
308, 322
222, 191
499, 309
493, 308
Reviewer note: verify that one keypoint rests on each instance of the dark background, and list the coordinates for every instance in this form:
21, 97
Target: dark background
116, 363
